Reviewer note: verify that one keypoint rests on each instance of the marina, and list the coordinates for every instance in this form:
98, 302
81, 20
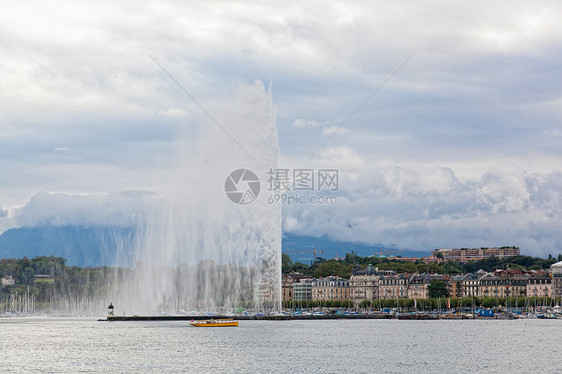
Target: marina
481, 314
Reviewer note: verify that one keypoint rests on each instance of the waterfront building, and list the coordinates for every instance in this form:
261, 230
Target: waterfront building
265, 292
492, 285
302, 290
556, 278
517, 286
474, 254
364, 284
417, 285
539, 286
456, 285
393, 286
296, 276
371, 284
287, 288
330, 288
287, 284
471, 284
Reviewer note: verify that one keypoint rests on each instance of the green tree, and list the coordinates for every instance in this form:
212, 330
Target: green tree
365, 304
488, 302
286, 263
351, 258
327, 268
452, 268
437, 288
301, 268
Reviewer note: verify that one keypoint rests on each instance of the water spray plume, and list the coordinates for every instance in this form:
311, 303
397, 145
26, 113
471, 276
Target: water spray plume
198, 250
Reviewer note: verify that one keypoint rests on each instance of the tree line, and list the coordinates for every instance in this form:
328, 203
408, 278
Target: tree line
429, 304
323, 267
46, 276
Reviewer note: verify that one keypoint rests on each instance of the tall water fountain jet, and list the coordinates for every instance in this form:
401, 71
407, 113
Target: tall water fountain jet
199, 250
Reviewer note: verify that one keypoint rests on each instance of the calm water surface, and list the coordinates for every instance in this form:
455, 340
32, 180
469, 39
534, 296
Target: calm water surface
72, 345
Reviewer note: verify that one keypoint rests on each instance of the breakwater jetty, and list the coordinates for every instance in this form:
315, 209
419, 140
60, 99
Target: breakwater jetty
277, 317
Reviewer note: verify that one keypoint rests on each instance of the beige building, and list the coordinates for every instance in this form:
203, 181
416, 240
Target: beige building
330, 288
265, 293
417, 285
539, 286
502, 285
517, 286
393, 287
556, 279
287, 288
474, 254
491, 285
364, 285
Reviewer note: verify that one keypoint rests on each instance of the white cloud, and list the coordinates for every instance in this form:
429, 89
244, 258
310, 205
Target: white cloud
291, 223
128, 208
327, 128
461, 144
333, 129
299, 122
174, 112
345, 158
432, 208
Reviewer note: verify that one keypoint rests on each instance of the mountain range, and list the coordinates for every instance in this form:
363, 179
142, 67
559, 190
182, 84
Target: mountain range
95, 246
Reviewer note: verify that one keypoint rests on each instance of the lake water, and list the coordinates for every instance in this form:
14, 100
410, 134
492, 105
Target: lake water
79, 345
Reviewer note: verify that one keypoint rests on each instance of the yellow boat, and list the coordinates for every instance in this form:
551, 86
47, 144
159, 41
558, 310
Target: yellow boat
214, 323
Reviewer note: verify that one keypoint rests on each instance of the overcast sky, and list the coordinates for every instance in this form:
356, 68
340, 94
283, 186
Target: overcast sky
451, 114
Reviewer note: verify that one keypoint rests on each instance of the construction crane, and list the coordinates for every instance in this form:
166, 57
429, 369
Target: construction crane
381, 253
314, 252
